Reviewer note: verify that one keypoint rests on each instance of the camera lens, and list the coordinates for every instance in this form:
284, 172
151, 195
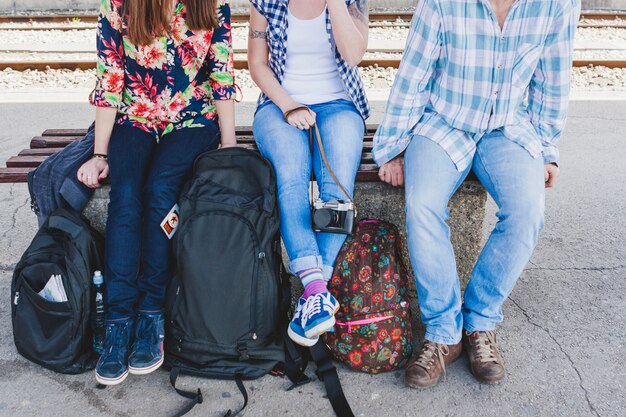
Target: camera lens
325, 217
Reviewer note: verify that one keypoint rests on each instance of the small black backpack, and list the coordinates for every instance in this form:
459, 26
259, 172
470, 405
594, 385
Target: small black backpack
57, 335
223, 312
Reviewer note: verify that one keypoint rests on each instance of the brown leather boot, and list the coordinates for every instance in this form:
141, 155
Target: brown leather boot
485, 361
429, 364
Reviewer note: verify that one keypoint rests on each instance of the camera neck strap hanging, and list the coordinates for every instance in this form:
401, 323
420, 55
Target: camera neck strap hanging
320, 146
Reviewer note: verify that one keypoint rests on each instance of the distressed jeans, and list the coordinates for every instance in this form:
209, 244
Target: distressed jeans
515, 180
288, 149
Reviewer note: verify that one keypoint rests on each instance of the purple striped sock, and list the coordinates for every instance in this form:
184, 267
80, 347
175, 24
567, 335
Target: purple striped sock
313, 282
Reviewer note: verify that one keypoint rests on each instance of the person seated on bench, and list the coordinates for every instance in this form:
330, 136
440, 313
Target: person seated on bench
297, 60
482, 86
158, 99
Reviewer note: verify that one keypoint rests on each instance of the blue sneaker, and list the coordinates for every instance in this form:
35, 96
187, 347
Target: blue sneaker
147, 354
295, 330
318, 315
112, 367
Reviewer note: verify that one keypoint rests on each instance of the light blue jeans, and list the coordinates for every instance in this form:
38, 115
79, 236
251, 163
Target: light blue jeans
342, 128
515, 180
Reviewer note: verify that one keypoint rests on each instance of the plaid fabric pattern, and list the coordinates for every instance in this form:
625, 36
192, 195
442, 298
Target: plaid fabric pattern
275, 11
461, 77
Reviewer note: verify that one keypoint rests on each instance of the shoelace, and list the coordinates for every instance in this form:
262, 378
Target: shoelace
116, 337
426, 357
145, 337
485, 341
312, 306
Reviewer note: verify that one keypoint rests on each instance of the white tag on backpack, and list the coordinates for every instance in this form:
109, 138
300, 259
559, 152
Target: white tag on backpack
170, 222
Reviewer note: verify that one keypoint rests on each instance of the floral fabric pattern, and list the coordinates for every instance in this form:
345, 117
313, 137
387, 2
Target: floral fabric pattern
169, 84
373, 329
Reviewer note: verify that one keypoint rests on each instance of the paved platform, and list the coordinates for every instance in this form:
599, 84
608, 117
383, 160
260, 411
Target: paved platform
563, 338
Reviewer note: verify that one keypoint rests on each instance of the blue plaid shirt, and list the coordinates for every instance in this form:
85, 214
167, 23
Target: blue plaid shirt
275, 12
461, 77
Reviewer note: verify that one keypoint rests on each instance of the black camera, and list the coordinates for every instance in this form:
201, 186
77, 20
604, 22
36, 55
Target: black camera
333, 216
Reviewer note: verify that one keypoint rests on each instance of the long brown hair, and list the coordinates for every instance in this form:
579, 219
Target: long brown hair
148, 19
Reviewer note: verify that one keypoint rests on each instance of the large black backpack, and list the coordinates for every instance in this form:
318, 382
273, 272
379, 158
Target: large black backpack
223, 313
57, 335
227, 306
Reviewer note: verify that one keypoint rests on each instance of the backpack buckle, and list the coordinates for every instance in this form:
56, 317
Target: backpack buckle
242, 348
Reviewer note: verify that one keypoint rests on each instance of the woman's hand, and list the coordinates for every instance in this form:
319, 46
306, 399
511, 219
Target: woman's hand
301, 119
92, 171
393, 172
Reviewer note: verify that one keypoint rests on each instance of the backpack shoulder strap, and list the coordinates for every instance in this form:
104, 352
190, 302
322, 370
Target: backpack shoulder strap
327, 373
196, 397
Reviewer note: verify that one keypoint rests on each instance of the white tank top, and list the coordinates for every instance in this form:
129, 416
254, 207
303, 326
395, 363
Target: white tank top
311, 74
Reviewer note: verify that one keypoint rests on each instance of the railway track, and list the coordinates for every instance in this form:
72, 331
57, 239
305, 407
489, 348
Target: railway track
243, 64
388, 19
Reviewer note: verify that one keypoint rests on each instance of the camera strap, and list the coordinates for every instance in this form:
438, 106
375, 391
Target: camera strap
323, 155
321, 148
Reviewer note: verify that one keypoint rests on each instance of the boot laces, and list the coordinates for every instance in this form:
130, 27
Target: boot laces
429, 352
485, 345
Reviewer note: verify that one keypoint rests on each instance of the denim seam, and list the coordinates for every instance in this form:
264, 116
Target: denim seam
471, 328
433, 337
496, 195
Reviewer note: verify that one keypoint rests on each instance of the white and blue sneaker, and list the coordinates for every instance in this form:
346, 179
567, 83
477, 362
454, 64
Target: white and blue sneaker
318, 314
295, 330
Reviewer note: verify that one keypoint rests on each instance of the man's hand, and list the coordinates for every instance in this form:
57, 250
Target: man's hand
551, 173
393, 172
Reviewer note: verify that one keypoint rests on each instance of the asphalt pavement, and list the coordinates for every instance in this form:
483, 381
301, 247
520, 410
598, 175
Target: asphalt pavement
563, 337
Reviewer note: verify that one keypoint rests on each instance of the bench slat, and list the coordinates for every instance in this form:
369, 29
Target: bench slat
40, 151
241, 130
18, 175
51, 141
55, 142
32, 161
10, 175
64, 132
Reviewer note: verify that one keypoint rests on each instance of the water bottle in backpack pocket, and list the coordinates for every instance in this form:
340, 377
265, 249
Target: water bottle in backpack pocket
98, 325
57, 334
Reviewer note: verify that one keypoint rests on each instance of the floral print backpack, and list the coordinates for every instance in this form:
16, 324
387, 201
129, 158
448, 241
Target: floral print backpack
373, 329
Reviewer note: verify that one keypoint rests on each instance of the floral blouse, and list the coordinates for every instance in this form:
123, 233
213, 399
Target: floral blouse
169, 84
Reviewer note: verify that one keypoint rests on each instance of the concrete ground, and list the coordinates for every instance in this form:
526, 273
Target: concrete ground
563, 337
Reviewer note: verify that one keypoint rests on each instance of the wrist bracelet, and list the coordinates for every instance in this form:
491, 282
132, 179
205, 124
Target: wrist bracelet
100, 156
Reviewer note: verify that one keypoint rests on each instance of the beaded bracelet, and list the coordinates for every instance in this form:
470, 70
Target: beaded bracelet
100, 156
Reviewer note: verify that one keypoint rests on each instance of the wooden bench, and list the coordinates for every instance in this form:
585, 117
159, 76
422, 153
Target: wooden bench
374, 199
53, 140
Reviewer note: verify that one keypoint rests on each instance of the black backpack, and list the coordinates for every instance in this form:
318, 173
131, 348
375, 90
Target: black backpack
222, 309
57, 335
227, 306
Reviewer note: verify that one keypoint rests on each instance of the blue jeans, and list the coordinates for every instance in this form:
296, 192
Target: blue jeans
515, 180
341, 128
146, 178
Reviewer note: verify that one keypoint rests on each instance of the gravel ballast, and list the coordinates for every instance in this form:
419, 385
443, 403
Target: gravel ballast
586, 78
